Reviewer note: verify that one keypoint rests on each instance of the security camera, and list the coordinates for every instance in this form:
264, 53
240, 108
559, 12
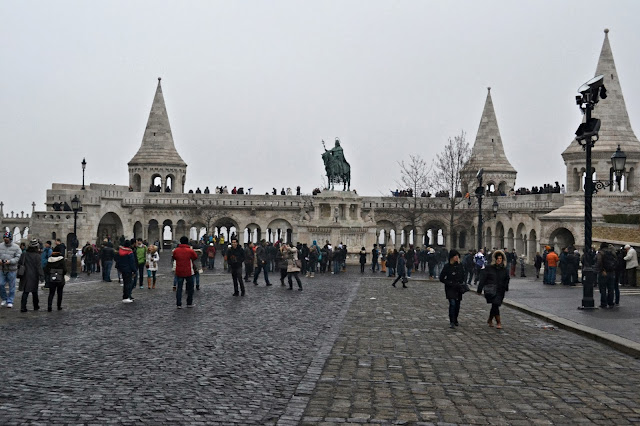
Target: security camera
592, 85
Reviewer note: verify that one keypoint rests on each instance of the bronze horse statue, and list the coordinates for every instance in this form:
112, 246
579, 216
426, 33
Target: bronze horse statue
338, 170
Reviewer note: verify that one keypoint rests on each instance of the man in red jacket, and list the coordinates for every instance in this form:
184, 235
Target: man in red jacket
184, 256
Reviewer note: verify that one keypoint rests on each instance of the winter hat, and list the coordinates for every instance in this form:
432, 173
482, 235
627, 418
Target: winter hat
453, 253
34, 243
8, 235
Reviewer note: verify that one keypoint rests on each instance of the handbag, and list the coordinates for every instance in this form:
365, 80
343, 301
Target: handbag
464, 287
405, 279
21, 267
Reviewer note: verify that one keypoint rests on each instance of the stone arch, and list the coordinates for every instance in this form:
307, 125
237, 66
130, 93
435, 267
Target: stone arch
167, 234
384, 230
533, 245
490, 187
488, 240
136, 183
110, 226
197, 230
169, 180
521, 240
435, 233
561, 237
156, 183
499, 240
137, 230
510, 240
226, 226
153, 232
252, 233
280, 229
502, 187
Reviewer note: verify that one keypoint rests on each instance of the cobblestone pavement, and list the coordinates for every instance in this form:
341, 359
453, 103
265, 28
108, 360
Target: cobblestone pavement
396, 360
228, 360
348, 349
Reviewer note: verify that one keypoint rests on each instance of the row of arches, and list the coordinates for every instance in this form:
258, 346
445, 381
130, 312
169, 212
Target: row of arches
18, 233
157, 183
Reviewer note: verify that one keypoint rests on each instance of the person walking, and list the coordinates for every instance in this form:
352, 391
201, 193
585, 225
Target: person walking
107, 255
33, 275
127, 266
537, 264
54, 273
236, 258
249, 260
363, 259
184, 256
10, 256
152, 265
495, 282
453, 277
401, 270
140, 252
281, 262
261, 263
374, 258
631, 264
293, 266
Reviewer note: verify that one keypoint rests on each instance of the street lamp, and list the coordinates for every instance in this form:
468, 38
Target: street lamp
494, 207
480, 194
587, 136
84, 166
76, 207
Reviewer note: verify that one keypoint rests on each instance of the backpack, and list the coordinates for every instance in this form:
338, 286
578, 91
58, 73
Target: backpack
479, 260
609, 261
56, 276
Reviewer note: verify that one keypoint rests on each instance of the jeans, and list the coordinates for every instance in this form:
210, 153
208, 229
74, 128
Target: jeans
454, 310
197, 279
106, 270
336, 266
470, 272
261, 267
248, 270
212, 262
552, 275
189, 291
606, 285
408, 270
127, 286
8, 277
392, 270
374, 265
53, 289
140, 274
236, 274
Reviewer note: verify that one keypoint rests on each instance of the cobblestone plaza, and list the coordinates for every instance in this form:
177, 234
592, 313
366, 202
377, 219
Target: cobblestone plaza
348, 349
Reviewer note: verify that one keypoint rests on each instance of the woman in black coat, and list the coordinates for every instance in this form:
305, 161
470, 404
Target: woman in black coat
363, 259
452, 276
495, 283
55, 271
33, 275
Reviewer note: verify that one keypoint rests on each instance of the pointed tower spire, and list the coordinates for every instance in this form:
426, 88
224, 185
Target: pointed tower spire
615, 130
157, 156
488, 153
157, 142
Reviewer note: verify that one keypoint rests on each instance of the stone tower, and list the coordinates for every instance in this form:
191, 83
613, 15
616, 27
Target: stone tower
615, 130
157, 166
488, 154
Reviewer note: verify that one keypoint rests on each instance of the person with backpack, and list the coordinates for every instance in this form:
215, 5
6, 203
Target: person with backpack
552, 263
606, 263
479, 262
54, 272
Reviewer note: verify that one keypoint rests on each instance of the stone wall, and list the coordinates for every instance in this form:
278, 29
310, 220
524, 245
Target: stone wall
617, 233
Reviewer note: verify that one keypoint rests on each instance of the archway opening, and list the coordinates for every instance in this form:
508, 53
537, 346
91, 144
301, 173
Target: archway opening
110, 227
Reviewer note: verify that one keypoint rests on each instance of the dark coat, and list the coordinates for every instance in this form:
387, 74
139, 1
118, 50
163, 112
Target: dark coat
401, 266
235, 256
55, 262
363, 256
249, 256
261, 255
33, 272
495, 282
452, 276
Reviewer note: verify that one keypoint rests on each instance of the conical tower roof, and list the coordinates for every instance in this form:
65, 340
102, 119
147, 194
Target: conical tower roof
157, 143
616, 127
488, 152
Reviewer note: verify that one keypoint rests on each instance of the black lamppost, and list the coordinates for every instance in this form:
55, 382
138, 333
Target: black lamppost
75, 206
587, 136
84, 166
479, 193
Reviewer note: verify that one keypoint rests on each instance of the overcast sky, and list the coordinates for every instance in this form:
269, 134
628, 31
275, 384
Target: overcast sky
252, 87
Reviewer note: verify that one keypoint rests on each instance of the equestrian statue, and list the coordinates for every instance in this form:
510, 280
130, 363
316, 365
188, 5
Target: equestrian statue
338, 170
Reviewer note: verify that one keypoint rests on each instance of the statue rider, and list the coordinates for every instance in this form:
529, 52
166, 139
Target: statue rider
338, 157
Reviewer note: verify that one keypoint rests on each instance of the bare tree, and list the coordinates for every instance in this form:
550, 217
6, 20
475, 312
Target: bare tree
448, 165
415, 175
208, 215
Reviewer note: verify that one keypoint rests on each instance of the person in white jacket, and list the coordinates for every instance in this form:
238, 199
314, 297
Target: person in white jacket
631, 260
152, 265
